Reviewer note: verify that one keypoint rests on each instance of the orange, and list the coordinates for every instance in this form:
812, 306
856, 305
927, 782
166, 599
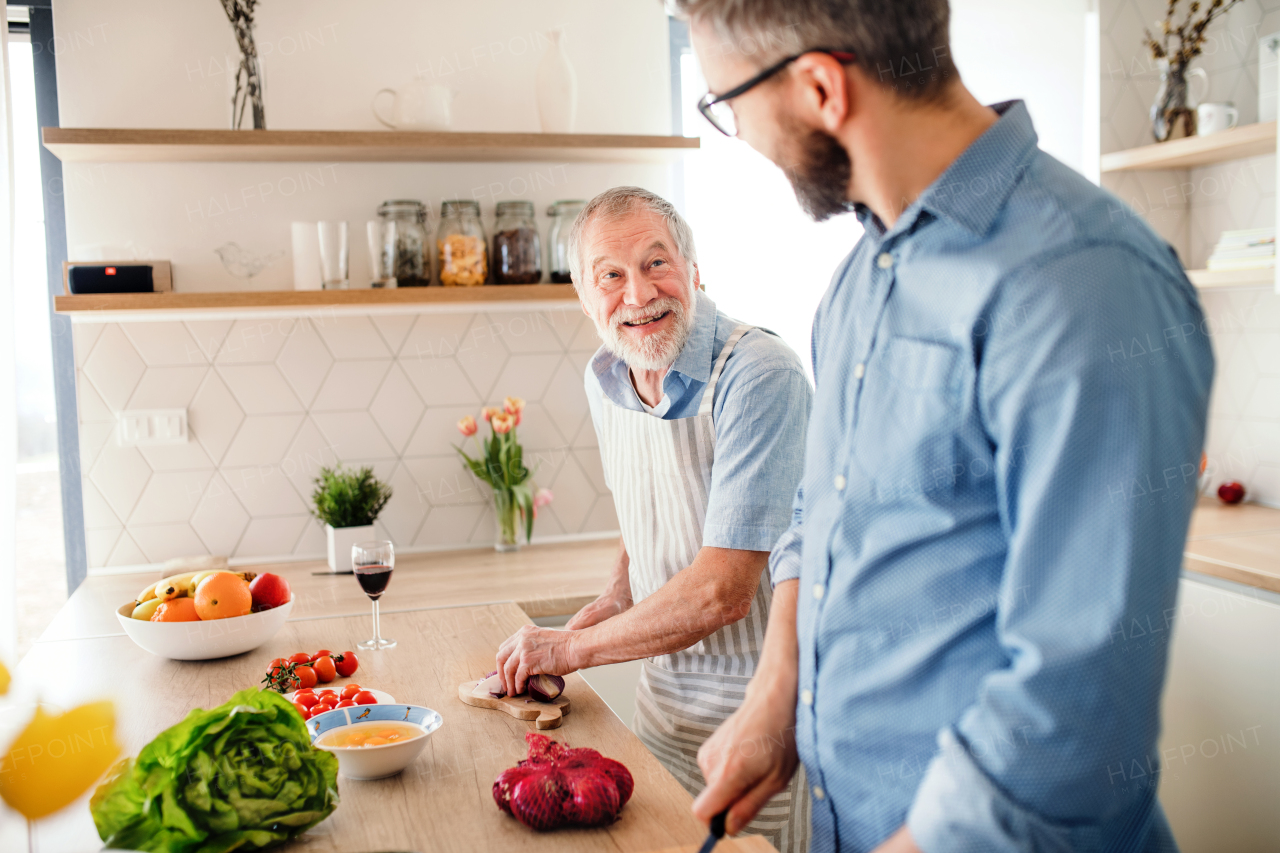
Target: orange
176, 610
223, 596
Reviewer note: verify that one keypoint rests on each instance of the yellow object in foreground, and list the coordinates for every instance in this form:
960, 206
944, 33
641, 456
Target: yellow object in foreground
4, 679
57, 758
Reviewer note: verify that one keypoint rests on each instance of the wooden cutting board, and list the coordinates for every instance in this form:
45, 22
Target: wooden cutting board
545, 715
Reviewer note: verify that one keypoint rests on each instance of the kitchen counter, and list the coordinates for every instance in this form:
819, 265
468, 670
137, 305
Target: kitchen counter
543, 580
1238, 543
443, 801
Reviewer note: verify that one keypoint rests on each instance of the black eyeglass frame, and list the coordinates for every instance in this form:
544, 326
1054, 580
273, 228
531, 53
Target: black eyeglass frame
709, 100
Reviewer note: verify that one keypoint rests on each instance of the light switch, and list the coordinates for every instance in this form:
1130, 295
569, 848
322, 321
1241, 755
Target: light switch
152, 426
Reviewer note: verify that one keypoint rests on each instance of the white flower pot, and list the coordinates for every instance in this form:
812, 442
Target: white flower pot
340, 541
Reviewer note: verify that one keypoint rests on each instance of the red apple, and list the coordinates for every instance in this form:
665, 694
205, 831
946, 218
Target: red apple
1231, 493
269, 591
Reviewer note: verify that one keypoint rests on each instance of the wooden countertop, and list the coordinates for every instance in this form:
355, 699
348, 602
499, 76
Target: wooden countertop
543, 580
1238, 543
443, 801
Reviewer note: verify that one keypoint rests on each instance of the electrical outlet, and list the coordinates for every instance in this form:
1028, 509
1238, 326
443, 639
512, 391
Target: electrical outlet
152, 426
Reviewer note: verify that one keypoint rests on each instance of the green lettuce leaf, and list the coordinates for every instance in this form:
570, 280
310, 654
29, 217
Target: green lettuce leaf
242, 776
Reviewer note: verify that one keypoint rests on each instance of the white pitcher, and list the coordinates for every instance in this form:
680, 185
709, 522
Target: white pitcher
418, 106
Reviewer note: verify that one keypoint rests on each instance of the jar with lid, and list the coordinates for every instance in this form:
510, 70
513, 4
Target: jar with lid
411, 256
462, 245
562, 214
517, 251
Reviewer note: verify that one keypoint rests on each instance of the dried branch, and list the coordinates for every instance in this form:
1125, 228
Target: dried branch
1190, 34
248, 74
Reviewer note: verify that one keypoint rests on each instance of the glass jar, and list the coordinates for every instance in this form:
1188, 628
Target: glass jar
411, 257
462, 246
517, 251
562, 214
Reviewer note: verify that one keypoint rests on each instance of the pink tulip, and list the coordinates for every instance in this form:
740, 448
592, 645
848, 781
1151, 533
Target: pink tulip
513, 405
502, 424
542, 498
467, 426
489, 411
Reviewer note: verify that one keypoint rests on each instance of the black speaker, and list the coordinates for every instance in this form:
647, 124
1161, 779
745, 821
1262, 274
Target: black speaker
104, 279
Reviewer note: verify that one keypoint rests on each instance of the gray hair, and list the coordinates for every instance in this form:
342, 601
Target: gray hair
618, 202
902, 44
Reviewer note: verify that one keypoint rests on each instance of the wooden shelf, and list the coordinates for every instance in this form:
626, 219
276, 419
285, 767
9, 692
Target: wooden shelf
1247, 141
1264, 277
121, 145
405, 296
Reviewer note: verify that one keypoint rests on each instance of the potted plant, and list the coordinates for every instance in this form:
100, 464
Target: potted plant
347, 502
1173, 115
501, 465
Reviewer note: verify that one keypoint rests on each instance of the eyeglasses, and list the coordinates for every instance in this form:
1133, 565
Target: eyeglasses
717, 110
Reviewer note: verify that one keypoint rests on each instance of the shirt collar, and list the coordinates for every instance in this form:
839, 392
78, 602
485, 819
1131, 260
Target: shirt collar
973, 189
694, 360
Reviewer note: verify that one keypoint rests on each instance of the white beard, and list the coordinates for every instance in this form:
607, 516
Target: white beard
656, 351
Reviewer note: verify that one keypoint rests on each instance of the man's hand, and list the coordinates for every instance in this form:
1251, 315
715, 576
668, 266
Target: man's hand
751, 757
605, 607
532, 650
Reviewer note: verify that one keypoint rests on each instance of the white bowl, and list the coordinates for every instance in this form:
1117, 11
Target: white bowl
364, 763
217, 638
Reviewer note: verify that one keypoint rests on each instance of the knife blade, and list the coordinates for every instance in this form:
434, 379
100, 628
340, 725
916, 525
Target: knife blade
717, 832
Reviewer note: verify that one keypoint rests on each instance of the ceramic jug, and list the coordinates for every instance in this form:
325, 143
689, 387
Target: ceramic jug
418, 106
557, 87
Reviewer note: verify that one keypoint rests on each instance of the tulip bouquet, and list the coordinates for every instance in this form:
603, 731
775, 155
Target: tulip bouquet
500, 463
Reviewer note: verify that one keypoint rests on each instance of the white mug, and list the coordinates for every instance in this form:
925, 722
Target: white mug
419, 105
1214, 118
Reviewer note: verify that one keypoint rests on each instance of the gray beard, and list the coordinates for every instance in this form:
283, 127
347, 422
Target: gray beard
657, 351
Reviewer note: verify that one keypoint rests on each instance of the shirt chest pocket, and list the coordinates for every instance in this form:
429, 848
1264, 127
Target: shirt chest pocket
908, 413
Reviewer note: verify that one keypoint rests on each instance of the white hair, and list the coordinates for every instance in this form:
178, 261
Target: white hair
618, 202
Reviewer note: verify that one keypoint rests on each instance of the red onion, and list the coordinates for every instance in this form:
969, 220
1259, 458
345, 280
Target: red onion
556, 786
545, 688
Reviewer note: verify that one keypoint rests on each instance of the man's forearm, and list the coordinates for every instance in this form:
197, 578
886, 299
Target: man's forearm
713, 592
615, 599
779, 671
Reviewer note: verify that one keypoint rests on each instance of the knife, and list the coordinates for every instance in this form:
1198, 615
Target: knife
717, 832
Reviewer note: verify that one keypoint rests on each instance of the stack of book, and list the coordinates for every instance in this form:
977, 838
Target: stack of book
1253, 248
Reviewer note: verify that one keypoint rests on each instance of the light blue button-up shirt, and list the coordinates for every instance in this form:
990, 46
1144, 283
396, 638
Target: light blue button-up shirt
760, 411
1012, 386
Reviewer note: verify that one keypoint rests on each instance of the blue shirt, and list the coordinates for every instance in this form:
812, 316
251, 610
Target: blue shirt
1012, 387
760, 410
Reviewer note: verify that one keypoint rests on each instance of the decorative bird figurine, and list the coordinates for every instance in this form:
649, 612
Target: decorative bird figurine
242, 263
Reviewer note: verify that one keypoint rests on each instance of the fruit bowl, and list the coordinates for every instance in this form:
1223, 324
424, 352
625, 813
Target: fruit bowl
216, 638
375, 762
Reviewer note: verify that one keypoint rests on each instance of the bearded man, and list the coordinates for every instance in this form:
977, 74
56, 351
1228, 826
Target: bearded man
701, 422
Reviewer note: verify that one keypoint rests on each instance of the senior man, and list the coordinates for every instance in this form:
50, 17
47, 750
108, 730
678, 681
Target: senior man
999, 472
701, 423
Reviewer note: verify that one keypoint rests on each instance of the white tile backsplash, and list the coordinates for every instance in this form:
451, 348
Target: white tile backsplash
272, 400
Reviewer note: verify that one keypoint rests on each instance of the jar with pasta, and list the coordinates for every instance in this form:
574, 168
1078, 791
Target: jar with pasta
461, 245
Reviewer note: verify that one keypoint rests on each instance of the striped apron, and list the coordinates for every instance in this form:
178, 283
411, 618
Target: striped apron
660, 474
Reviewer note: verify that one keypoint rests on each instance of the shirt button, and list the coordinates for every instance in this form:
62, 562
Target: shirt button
818, 793
806, 696
818, 590
859, 370
884, 261
840, 482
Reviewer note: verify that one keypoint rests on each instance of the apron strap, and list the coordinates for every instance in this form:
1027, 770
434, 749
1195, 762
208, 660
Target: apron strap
709, 395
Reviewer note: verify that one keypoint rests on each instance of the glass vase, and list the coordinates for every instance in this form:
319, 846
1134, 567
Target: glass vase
506, 515
1173, 115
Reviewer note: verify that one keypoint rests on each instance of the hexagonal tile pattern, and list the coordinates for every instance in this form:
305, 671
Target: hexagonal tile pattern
260, 389
114, 367
219, 519
305, 361
351, 385
396, 408
352, 337
256, 341
214, 416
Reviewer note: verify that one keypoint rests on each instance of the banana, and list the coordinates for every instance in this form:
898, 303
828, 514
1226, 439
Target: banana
200, 576
174, 586
144, 610
148, 593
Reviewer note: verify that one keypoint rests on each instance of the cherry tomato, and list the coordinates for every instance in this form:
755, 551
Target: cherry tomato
278, 662
303, 710
351, 685
300, 657
323, 653
321, 707
350, 691
346, 703
306, 700
325, 670
347, 664
325, 691
306, 676
304, 691
364, 697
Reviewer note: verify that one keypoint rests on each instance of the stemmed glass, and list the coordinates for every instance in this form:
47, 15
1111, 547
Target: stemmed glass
373, 563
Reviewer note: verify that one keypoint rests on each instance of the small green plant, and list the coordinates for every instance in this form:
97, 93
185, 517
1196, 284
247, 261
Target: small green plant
345, 498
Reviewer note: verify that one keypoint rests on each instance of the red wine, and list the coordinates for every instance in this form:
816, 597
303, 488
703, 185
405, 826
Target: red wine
373, 579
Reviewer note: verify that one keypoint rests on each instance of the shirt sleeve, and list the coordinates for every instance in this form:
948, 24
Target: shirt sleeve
784, 561
1093, 388
759, 458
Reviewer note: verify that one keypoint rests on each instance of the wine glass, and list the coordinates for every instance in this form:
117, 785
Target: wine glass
373, 562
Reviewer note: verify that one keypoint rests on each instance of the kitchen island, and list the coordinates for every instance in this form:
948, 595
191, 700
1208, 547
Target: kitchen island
442, 802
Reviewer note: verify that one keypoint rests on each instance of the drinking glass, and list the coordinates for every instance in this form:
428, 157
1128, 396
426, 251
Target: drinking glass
382, 252
333, 255
373, 563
